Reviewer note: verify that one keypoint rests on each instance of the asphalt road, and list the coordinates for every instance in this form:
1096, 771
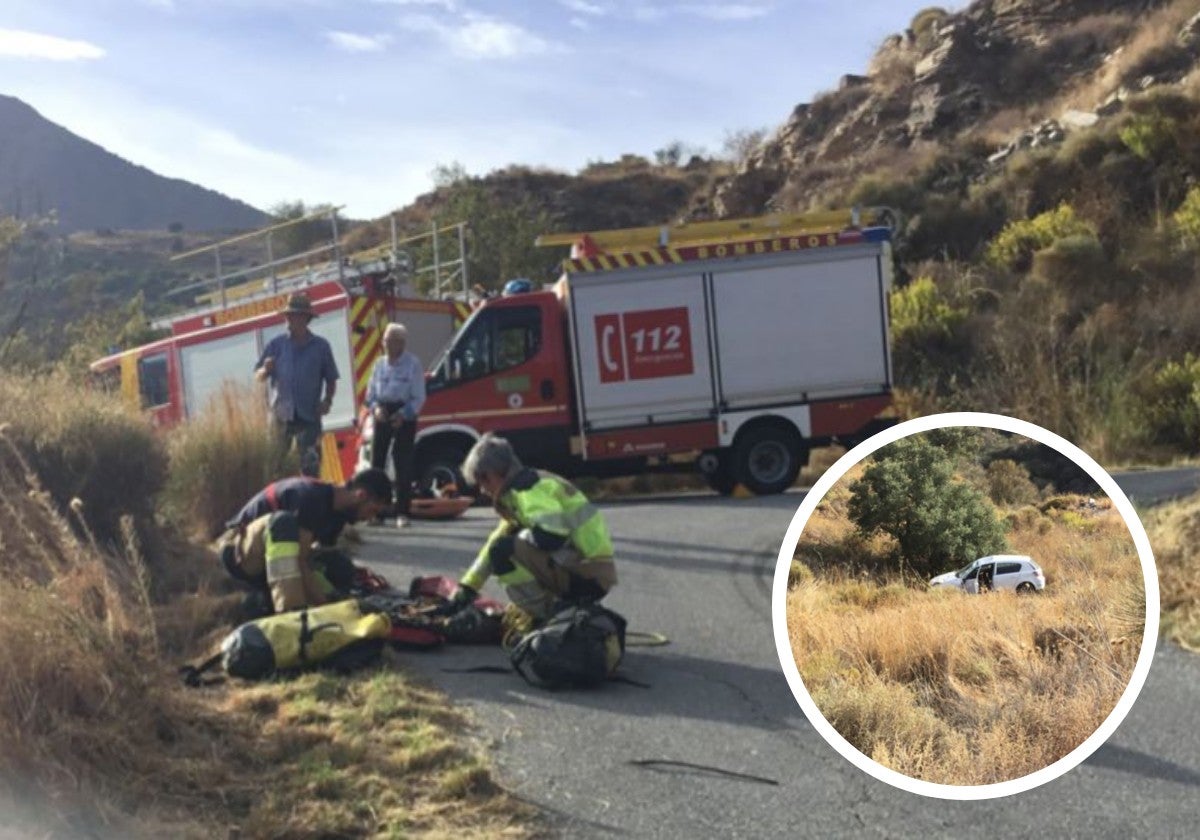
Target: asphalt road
699, 569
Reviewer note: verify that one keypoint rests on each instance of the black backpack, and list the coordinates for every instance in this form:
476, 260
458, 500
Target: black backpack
580, 646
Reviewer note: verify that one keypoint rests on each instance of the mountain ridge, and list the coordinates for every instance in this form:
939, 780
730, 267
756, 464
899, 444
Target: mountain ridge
44, 167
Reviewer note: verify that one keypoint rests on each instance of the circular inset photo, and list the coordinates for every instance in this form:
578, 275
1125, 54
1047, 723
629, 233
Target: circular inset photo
966, 606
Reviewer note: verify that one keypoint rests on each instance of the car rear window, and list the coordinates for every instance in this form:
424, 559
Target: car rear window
1008, 568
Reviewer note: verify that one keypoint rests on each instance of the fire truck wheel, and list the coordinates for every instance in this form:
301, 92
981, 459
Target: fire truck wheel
767, 459
440, 464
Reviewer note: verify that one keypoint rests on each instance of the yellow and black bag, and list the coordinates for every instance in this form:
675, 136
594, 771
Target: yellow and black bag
342, 636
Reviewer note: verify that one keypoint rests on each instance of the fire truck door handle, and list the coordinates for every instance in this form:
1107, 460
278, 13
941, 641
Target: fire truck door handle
547, 389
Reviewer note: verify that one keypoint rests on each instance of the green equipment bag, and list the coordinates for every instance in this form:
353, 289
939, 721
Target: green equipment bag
342, 636
580, 646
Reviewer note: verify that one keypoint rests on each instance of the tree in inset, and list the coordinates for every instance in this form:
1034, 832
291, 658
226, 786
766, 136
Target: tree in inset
938, 521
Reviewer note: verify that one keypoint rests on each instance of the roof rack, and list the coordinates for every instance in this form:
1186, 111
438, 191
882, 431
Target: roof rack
586, 244
323, 263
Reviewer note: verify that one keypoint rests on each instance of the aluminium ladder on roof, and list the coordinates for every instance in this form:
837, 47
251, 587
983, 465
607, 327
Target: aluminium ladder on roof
727, 230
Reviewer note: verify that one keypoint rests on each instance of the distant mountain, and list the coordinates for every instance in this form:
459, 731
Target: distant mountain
45, 167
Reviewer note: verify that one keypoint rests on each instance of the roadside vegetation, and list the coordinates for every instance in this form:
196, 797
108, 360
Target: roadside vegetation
102, 601
953, 688
1174, 532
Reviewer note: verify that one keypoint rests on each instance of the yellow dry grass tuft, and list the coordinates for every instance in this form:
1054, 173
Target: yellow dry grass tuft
1174, 532
970, 690
221, 458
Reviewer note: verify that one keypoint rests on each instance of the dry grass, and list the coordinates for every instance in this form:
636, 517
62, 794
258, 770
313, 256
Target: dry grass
966, 690
1174, 532
221, 458
99, 738
1157, 31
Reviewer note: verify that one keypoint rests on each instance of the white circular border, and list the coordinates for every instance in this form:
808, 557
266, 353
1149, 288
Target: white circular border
779, 606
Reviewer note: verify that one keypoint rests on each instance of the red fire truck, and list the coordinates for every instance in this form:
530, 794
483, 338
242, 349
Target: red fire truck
735, 346
176, 377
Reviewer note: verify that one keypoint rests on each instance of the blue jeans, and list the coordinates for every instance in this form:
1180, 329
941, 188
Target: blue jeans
307, 436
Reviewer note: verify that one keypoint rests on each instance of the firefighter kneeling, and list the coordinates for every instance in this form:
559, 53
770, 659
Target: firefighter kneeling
552, 547
282, 542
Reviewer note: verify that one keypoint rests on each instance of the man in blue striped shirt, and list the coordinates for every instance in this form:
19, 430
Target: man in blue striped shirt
297, 364
395, 396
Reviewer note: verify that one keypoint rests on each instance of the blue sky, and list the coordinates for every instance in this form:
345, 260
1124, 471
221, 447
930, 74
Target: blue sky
355, 102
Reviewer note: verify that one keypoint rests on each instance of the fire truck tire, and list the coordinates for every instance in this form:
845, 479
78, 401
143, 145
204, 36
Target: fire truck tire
767, 459
441, 464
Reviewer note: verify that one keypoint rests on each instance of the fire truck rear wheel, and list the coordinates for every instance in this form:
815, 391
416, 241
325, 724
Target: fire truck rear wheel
767, 459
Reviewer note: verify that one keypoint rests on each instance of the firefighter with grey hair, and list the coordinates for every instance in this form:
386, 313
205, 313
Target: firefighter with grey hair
552, 545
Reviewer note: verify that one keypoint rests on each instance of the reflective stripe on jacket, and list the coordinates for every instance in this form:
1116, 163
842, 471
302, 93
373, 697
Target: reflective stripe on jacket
534, 499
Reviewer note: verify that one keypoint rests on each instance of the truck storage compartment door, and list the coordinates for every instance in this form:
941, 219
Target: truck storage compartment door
642, 347
209, 365
802, 328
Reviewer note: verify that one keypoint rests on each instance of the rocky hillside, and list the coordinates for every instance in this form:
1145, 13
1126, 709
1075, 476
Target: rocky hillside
44, 167
1000, 75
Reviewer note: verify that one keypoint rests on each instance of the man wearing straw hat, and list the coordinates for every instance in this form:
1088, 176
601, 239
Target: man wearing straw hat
296, 364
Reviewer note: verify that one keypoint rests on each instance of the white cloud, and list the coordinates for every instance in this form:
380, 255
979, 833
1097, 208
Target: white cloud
350, 42
220, 143
580, 23
17, 43
722, 11
583, 7
477, 36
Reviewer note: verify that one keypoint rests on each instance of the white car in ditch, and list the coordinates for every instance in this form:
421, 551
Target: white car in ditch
1015, 572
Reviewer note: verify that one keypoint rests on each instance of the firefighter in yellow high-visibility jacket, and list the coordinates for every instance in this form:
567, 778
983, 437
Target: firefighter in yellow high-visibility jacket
551, 547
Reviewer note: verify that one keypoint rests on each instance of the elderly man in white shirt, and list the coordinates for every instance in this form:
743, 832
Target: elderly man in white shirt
394, 397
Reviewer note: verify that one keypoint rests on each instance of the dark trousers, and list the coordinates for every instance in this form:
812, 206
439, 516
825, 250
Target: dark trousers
308, 443
401, 443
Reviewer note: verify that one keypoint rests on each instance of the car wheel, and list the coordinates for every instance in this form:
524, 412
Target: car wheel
767, 459
1026, 588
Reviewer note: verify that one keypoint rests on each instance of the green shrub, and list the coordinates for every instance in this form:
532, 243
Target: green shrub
1169, 408
1009, 484
1187, 219
910, 492
919, 311
1015, 245
1077, 267
929, 334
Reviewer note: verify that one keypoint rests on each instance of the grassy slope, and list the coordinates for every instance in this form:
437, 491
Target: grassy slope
97, 734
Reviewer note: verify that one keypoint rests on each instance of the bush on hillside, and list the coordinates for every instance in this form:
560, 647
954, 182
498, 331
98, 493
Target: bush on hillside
929, 333
1009, 483
1169, 408
910, 493
1077, 267
1187, 219
1016, 244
